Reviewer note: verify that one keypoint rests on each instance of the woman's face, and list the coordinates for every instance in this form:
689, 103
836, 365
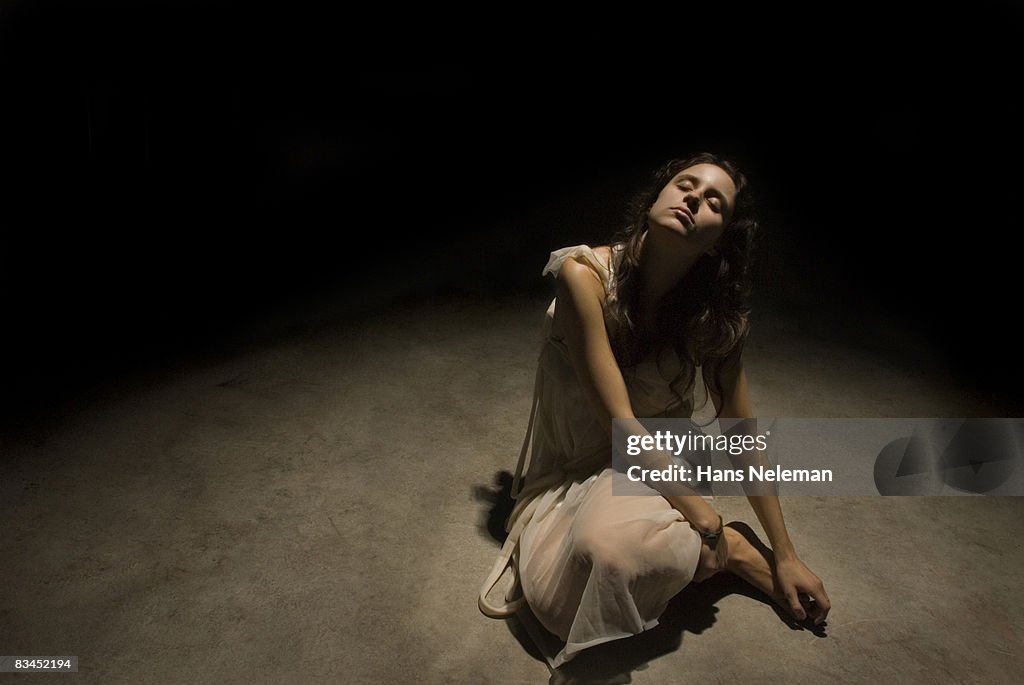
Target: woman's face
696, 204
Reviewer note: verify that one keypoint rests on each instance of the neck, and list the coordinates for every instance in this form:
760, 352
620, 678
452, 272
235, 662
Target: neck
660, 271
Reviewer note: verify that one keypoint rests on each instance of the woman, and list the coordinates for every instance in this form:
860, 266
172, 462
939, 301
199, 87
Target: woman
633, 321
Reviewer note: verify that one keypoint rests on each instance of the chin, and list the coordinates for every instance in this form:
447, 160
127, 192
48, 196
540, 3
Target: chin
680, 229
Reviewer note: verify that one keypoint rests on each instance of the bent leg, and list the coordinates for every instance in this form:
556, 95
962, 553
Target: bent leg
598, 567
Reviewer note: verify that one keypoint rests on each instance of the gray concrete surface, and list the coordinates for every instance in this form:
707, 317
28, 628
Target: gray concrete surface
310, 508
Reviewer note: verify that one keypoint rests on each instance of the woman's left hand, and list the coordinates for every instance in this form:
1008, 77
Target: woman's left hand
795, 579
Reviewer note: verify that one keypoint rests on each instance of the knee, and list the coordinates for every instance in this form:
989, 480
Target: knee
603, 548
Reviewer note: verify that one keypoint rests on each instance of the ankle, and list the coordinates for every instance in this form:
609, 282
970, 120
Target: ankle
740, 551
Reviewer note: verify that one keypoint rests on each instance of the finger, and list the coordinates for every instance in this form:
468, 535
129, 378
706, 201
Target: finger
814, 610
819, 614
824, 605
817, 605
795, 607
819, 594
822, 613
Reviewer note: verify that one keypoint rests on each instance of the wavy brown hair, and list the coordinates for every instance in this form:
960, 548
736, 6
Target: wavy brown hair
705, 317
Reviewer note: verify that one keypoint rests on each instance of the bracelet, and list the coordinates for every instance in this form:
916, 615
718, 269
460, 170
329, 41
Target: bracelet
711, 536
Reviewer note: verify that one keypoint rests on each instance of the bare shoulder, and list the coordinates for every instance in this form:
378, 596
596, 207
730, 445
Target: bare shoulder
581, 276
577, 273
575, 268
579, 289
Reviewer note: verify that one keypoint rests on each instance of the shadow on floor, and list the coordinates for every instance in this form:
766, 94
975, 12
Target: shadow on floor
499, 498
693, 610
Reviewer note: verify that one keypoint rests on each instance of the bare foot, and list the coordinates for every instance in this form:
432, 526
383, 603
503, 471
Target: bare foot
753, 561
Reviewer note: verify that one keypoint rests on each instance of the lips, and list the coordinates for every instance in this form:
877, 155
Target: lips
684, 216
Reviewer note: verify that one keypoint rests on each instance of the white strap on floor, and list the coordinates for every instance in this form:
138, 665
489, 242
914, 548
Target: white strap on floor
507, 557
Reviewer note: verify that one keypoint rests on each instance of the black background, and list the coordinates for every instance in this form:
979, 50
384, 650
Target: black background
173, 172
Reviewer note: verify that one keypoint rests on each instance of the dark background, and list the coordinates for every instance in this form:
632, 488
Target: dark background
173, 173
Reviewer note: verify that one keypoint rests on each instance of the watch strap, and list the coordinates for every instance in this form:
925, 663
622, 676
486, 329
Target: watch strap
713, 535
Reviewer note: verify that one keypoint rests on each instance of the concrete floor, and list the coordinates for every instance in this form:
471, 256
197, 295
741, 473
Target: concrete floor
314, 508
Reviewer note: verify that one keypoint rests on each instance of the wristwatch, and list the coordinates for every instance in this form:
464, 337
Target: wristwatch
710, 537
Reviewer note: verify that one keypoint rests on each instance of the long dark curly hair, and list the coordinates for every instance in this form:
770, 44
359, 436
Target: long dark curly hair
705, 317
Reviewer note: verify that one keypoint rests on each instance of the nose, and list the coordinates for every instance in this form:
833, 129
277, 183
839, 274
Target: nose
692, 201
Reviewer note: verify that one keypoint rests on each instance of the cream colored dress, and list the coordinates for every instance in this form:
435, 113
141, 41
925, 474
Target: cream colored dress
593, 567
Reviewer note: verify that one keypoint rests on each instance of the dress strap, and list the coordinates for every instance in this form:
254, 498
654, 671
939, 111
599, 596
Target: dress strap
528, 440
508, 551
507, 559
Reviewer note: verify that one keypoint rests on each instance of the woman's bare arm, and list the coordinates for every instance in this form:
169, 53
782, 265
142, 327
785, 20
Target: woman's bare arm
793, 575
736, 405
580, 314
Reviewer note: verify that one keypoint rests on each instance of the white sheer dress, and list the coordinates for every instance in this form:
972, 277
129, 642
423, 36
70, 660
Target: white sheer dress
593, 567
